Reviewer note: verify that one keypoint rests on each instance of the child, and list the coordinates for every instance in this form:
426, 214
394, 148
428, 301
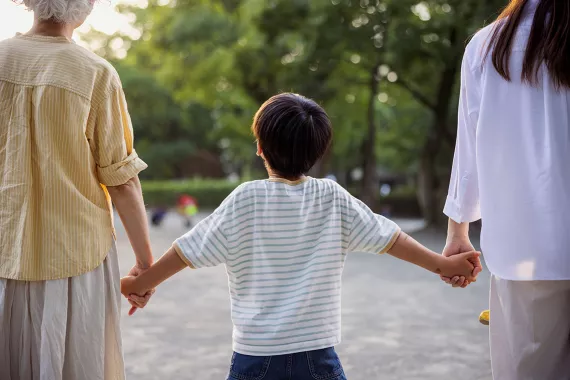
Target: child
158, 215
284, 241
187, 208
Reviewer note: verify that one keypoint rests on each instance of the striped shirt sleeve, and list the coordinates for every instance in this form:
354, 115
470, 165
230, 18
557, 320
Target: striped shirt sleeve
369, 232
205, 245
112, 141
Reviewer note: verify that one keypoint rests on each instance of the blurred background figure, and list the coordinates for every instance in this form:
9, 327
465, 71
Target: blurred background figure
187, 208
158, 215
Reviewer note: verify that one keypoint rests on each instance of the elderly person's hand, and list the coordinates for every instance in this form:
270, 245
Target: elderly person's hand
138, 301
130, 205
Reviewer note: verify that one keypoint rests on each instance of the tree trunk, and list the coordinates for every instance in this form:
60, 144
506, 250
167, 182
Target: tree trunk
431, 192
428, 182
369, 189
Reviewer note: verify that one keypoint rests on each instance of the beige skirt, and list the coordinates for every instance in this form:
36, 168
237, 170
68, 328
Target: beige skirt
65, 329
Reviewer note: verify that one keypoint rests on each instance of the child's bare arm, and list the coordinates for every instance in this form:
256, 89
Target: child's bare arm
167, 266
407, 249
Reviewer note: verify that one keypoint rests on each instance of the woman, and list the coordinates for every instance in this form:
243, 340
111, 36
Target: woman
512, 168
66, 151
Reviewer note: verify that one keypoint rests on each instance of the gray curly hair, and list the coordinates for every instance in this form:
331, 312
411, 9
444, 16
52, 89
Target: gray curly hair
63, 11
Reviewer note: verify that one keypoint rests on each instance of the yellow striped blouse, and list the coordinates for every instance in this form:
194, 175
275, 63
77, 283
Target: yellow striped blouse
65, 134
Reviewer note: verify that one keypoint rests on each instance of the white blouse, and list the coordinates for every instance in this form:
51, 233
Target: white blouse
512, 165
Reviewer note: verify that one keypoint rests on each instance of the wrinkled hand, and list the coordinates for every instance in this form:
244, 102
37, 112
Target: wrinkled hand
137, 301
456, 246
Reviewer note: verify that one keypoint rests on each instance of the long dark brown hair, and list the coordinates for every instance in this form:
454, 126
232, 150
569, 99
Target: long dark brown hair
548, 43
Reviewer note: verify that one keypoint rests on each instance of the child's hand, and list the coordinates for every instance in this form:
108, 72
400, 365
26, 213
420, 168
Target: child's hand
461, 265
131, 291
454, 246
127, 285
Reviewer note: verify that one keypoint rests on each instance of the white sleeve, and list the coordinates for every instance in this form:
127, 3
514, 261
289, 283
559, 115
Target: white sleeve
462, 203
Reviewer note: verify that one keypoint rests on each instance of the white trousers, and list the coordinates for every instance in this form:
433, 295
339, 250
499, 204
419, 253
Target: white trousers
63, 329
530, 329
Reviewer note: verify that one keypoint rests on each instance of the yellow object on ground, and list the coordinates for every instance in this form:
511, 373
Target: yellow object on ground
485, 316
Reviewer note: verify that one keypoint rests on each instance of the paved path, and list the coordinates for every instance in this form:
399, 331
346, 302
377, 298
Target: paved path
399, 322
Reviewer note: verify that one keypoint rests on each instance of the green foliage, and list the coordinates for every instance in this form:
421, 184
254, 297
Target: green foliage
201, 68
210, 193
168, 132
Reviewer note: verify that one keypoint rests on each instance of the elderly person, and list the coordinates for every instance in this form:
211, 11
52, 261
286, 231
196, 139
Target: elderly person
66, 151
512, 168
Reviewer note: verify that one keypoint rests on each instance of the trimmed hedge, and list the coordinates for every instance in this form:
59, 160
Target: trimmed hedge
211, 192
402, 202
208, 192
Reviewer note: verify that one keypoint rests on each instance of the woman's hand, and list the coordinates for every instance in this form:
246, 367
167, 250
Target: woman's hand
455, 246
147, 279
462, 265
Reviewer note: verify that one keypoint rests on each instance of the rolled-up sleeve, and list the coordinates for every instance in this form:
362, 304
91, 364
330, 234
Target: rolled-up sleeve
462, 203
112, 141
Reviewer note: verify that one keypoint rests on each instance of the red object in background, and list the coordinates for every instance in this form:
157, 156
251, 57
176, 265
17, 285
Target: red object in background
186, 200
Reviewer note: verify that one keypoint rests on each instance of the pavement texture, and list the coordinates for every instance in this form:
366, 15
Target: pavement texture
399, 321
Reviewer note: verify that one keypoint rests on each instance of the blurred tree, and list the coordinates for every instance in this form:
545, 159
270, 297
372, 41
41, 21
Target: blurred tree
427, 50
385, 70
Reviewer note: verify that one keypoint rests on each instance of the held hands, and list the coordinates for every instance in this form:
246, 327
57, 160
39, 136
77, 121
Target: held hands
139, 285
461, 265
129, 290
455, 247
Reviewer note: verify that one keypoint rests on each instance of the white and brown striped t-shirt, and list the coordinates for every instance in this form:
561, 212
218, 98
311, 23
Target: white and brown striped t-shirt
65, 134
